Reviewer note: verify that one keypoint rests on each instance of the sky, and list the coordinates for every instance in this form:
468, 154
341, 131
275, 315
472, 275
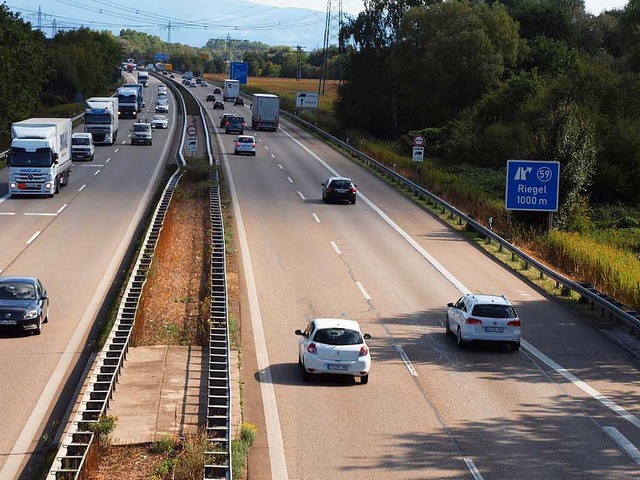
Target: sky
259, 20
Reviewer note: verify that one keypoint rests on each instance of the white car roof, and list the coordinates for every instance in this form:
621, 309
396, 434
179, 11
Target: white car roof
495, 299
80, 135
159, 117
337, 323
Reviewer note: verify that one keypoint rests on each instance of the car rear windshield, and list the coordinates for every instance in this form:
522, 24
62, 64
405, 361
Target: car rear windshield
17, 291
235, 120
338, 336
80, 141
245, 140
494, 311
341, 184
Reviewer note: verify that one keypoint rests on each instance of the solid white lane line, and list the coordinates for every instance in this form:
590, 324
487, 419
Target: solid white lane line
406, 360
473, 469
460, 287
316, 217
271, 416
88, 165
290, 179
582, 385
8, 213
34, 214
82, 187
33, 237
273, 156
280, 167
97, 172
22, 447
7, 195
335, 247
365, 294
116, 150
301, 195
622, 441
61, 208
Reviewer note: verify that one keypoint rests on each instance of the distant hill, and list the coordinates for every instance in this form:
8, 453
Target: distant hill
238, 19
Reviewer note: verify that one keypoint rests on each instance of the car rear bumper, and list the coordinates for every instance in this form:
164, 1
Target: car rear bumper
474, 334
313, 364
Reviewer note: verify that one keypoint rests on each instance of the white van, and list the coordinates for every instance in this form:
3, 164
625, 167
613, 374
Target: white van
82, 146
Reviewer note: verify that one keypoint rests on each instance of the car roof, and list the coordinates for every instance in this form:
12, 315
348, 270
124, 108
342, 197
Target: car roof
331, 179
159, 117
246, 136
80, 134
485, 299
336, 323
18, 279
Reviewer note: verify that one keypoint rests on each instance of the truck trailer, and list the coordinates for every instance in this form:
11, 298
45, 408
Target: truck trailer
128, 102
40, 156
231, 89
265, 112
101, 119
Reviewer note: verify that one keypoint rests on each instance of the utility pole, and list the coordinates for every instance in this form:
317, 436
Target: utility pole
54, 27
298, 63
39, 18
169, 32
332, 31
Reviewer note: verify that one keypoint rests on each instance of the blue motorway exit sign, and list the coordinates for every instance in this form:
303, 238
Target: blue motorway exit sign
532, 185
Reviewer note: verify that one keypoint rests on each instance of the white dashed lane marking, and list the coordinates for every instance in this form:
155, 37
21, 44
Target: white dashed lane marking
365, 294
290, 179
61, 208
315, 217
33, 237
82, 187
335, 247
97, 172
301, 195
280, 167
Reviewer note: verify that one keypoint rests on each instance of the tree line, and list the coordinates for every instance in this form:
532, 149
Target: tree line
488, 81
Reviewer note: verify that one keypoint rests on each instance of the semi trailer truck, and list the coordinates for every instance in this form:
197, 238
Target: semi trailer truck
265, 112
101, 119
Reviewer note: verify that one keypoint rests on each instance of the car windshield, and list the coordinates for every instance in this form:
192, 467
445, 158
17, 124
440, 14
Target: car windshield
494, 311
341, 184
17, 291
80, 141
338, 336
140, 127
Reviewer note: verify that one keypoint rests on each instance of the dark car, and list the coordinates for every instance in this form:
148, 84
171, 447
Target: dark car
172, 76
239, 102
217, 91
24, 304
223, 119
234, 125
211, 97
218, 105
165, 73
339, 188
198, 81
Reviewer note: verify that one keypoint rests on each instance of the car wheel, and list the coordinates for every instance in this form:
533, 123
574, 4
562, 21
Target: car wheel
515, 346
353, 202
38, 329
447, 327
235, 152
91, 159
364, 379
57, 185
253, 153
459, 340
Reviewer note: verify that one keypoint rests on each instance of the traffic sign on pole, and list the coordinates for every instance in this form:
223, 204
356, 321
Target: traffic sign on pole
418, 154
532, 185
418, 141
192, 144
192, 130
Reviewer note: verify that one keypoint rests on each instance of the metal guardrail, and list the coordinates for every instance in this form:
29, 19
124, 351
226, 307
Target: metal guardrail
70, 460
607, 304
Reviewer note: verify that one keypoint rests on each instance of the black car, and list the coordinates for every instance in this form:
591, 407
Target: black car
223, 119
24, 304
172, 76
234, 125
217, 91
239, 102
339, 188
211, 97
218, 105
165, 73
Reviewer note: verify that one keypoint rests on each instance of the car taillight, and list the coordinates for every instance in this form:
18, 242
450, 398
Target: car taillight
364, 351
329, 189
226, 124
473, 321
237, 144
514, 323
353, 189
311, 348
253, 145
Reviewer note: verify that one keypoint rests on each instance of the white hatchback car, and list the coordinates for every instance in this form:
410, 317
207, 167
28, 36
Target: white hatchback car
332, 345
160, 121
244, 144
489, 318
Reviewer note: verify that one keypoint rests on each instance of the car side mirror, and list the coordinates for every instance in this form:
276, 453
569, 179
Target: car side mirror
44, 297
367, 336
323, 184
299, 332
449, 304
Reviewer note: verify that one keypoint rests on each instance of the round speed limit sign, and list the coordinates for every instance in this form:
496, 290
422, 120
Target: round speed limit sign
192, 130
418, 141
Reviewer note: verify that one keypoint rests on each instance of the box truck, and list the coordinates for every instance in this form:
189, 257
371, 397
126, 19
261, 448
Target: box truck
143, 78
40, 156
128, 102
231, 89
265, 112
140, 94
101, 119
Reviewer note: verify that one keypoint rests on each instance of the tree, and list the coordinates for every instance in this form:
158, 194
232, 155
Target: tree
24, 68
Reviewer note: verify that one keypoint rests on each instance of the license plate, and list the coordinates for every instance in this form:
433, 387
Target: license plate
494, 329
7, 322
341, 190
334, 366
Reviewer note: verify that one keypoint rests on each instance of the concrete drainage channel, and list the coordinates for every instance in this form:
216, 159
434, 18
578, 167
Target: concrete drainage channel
70, 461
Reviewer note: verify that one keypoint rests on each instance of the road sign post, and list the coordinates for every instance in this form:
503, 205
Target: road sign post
418, 154
532, 185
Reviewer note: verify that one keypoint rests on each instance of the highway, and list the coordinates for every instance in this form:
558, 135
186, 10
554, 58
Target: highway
565, 406
74, 242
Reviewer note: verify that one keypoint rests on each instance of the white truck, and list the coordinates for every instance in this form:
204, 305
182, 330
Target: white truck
101, 119
265, 112
143, 78
128, 101
40, 157
231, 89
